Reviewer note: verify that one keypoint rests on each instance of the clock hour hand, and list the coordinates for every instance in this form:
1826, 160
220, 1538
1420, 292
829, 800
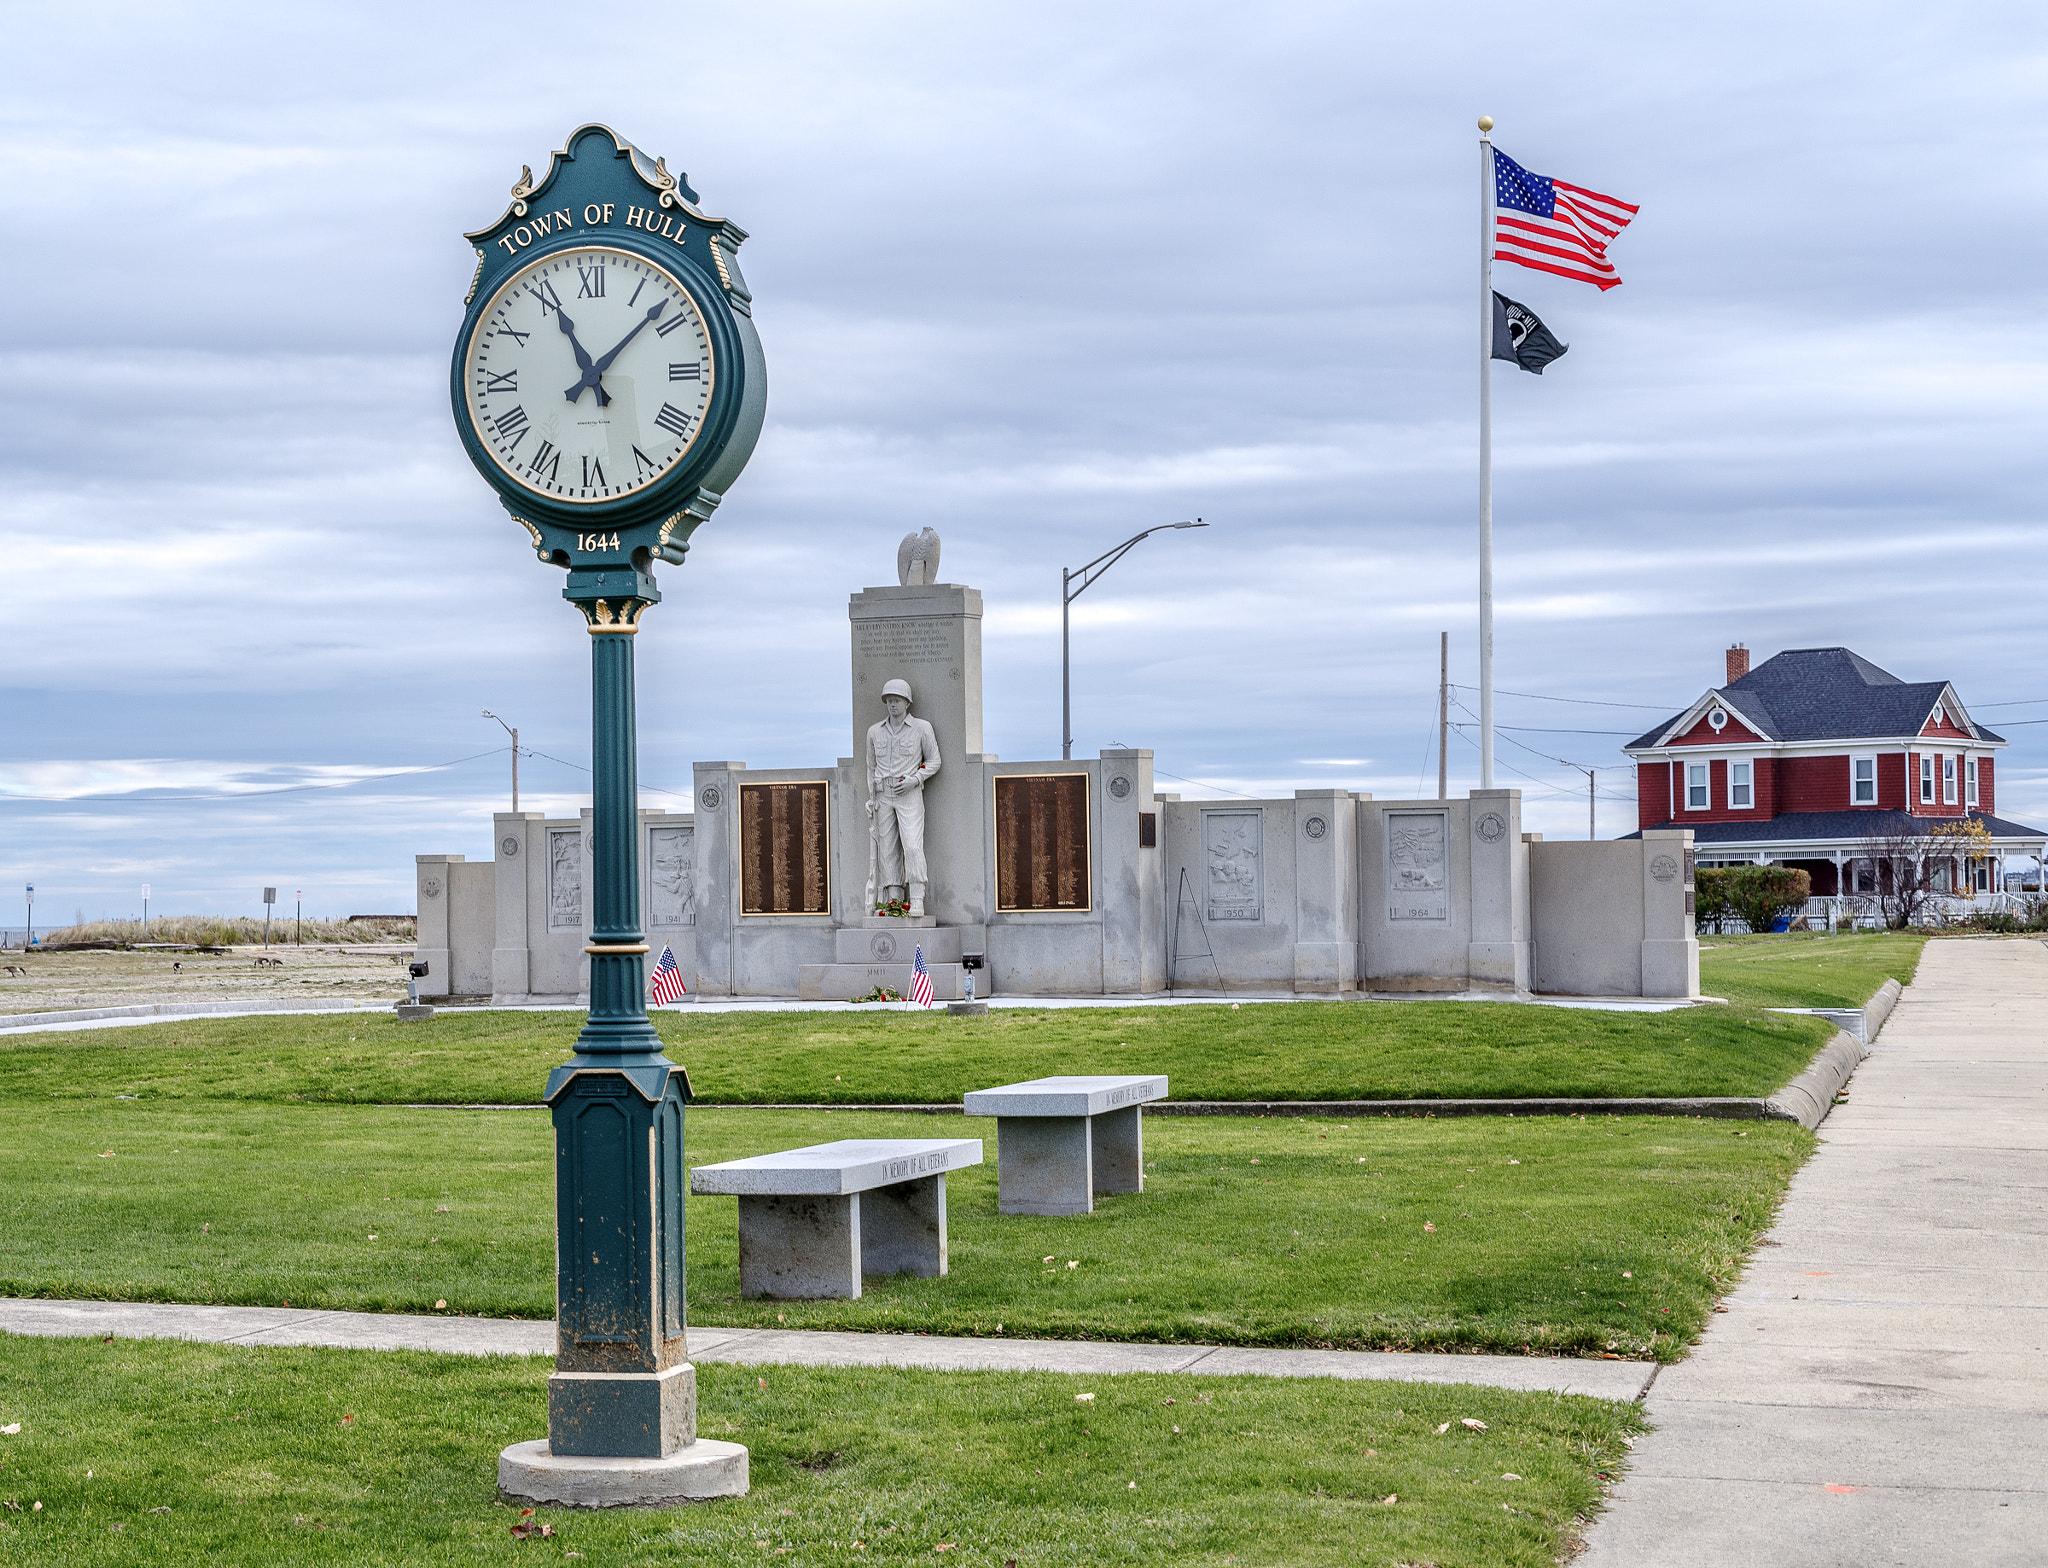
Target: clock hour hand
653, 314
583, 363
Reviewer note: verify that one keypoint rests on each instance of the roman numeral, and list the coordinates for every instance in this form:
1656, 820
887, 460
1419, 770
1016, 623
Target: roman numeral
592, 281
636, 294
554, 463
507, 332
686, 372
673, 420
513, 419
493, 382
641, 460
544, 291
682, 318
593, 473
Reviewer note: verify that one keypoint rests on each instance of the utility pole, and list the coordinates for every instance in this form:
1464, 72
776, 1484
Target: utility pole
298, 915
1443, 719
145, 911
515, 756
31, 942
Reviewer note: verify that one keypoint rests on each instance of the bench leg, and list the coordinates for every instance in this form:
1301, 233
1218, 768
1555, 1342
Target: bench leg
1119, 1150
903, 1228
1043, 1165
800, 1247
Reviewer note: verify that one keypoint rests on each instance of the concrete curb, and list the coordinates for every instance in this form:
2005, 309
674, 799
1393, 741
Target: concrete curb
1808, 1098
1879, 1008
254, 1326
86, 1015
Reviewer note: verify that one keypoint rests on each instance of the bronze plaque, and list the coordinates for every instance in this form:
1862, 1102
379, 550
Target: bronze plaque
1148, 830
783, 849
1042, 841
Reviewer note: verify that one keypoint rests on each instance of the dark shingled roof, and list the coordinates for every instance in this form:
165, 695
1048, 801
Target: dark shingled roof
1845, 827
1826, 694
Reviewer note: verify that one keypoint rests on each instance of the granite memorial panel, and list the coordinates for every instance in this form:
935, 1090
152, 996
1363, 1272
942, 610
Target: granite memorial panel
1042, 841
784, 849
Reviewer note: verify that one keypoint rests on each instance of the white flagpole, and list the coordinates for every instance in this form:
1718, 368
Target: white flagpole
1486, 195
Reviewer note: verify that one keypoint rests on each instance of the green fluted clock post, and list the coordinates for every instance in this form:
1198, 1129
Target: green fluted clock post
609, 385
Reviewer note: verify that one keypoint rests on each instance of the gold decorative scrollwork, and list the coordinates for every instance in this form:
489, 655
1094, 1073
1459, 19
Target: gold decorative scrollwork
539, 543
718, 257
522, 188
667, 182
624, 619
475, 278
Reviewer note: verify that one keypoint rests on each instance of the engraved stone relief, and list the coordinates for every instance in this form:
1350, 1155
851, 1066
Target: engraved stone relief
1663, 868
509, 846
565, 879
883, 948
1119, 787
1233, 873
1416, 865
1315, 827
713, 797
431, 887
672, 876
1490, 826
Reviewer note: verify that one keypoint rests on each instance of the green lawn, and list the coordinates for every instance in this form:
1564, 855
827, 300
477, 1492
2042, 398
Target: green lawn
160, 1452
1591, 1236
1804, 969
1287, 1051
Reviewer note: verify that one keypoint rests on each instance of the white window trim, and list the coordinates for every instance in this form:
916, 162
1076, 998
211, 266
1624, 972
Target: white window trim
1926, 791
1972, 795
1946, 766
1733, 764
1708, 803
1871, 758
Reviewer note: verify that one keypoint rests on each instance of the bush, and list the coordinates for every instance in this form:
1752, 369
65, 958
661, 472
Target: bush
230, 931
1759, 896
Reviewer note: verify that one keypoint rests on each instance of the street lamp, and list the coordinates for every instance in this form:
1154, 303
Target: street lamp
515, 755
145, 911
1073, 584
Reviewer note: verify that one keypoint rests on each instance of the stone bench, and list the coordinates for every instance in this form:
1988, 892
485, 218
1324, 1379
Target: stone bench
814, 1220
1059, 1141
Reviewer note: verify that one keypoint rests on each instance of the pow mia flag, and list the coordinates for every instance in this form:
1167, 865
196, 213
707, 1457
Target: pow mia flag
1520, 338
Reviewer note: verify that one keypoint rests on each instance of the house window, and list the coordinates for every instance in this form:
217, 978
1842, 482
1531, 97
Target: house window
1948, 781
1695, 786
1927, 779
1983, 876
1970, 779
1863, 781
1740, 792
1866, 876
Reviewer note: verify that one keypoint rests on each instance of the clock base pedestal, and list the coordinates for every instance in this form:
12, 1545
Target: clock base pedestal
530, 1474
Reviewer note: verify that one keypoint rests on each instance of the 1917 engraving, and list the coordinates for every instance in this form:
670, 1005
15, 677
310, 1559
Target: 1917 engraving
565, 879
1416, 879
1233, 871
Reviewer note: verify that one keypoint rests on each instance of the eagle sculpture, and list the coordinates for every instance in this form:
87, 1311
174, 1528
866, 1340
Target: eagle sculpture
917, 559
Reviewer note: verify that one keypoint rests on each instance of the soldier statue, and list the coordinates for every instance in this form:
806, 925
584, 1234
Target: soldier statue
902, 753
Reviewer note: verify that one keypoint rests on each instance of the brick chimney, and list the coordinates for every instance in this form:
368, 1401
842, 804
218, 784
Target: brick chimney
1738, 663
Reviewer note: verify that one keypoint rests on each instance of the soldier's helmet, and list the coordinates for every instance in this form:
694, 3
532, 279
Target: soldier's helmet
898, 689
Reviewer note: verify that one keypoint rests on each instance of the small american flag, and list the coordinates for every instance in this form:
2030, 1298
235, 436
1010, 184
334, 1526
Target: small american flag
920, 980
667, 984
1554, 227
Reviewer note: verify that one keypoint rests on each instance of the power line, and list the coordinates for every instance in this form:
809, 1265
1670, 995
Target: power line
1590, 702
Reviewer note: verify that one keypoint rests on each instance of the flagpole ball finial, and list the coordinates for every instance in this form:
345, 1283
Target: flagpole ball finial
1486, 122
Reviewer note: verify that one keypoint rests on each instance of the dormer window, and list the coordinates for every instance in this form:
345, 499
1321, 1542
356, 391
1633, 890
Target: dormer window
1717, 718
1936, 720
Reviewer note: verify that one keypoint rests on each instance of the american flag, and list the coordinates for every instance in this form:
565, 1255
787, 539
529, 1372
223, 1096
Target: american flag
1554, 227
667, 984
920, 980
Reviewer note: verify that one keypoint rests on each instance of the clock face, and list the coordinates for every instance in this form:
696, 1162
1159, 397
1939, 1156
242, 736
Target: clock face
588, 375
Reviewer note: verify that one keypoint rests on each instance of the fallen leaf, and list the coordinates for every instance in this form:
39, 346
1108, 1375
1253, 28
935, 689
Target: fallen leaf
1429, 1225
37, 1509
206, 1229
943, 1546
1073, 1263
1443, 1429
440, 1306
1176, 1429
1372, 1453
762, 1384
1390, 1498
1475, 1425
163, 1510
1048, 1260
11, 1428
348, 1420
1084, 1399
107, 1156
1130, 1486
1625, 1274
1170, 1401
1829, 1488
1514, 1162
443, 1209
1255, 1162
373, 1236
1511, 1476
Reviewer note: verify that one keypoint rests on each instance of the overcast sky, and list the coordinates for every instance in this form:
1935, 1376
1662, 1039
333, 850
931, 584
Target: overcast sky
1038, 276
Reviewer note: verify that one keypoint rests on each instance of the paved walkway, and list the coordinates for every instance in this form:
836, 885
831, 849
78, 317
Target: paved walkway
805, 1347
1875, 1393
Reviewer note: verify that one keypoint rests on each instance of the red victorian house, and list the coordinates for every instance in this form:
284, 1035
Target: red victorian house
1812, 754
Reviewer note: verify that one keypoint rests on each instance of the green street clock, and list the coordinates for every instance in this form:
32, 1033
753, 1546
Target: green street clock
608, 381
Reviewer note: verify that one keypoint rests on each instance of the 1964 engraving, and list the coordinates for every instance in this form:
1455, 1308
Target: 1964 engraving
1416, 876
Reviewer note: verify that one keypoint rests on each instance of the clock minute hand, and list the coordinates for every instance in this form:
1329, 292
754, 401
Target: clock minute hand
653, 314
583, 363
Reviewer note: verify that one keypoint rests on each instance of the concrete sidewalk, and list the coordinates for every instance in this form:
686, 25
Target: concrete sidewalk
1620, 1380
1875, 1393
